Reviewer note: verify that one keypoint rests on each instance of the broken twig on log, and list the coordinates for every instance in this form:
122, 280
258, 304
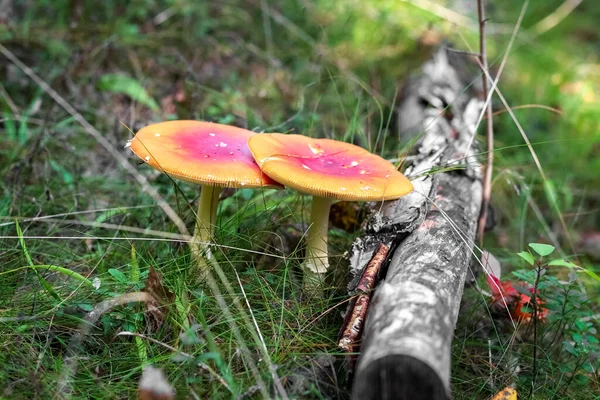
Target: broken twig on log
353, 323
408, 332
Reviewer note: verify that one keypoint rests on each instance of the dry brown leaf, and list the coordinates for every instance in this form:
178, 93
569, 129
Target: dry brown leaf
156, 310
491, 264
507, 393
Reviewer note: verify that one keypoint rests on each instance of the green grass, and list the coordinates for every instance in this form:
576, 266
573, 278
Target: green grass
321, 68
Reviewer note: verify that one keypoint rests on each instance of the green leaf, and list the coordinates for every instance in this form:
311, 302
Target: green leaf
524, 274
65, 271
568, 346
563, 263
568, 264
48, 287
527, 309
128, 86
525, 255
542, 249
118, 275
22, 243
45, 284
66, 176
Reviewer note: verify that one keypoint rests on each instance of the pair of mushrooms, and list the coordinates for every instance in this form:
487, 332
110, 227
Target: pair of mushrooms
220, 156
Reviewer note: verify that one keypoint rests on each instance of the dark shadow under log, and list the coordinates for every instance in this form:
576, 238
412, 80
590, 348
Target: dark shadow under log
407, 339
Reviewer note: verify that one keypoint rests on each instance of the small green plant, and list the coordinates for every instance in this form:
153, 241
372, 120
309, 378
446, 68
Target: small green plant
557, 329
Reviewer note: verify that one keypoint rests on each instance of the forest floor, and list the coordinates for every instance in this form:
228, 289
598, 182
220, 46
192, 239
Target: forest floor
78, 231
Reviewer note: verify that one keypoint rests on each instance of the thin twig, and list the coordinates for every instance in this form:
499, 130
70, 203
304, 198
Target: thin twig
555, 18
70, 363
540, 106
487, 179
534, 304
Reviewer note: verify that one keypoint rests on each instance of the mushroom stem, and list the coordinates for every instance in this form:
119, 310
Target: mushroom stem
316, 263
206, 220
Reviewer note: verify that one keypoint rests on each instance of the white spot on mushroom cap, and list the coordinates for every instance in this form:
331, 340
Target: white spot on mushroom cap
211, 134
354, 163
157, 134
147, 158
221, 144
315, 148
128, 144
364, 172
306, 167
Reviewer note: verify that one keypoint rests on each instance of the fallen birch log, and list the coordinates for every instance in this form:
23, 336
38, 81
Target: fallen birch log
410, 322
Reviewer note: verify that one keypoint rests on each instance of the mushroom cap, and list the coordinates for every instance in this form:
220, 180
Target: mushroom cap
328, 168
200, 152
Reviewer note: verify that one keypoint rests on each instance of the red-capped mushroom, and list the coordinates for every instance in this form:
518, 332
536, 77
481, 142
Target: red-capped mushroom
329, 170
213, 155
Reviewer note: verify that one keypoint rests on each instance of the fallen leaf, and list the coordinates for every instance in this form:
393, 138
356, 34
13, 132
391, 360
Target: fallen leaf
155, 310
491, 264
507, 298
507, 393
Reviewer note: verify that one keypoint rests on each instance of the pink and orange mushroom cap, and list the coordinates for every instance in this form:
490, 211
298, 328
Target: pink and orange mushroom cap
200, 152
328, 168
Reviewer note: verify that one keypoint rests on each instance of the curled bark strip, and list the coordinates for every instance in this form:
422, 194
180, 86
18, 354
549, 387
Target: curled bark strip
357, 310
367, 281
356, 318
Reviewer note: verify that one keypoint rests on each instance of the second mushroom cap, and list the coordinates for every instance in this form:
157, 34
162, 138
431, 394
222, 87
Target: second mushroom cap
328, 168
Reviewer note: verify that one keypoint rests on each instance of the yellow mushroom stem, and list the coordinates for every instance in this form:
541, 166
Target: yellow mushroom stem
316, 263
206, 220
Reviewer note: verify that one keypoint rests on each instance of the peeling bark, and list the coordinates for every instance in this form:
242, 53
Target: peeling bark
353, 323
410, 323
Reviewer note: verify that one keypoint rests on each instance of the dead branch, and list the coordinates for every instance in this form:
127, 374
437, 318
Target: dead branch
409, 327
